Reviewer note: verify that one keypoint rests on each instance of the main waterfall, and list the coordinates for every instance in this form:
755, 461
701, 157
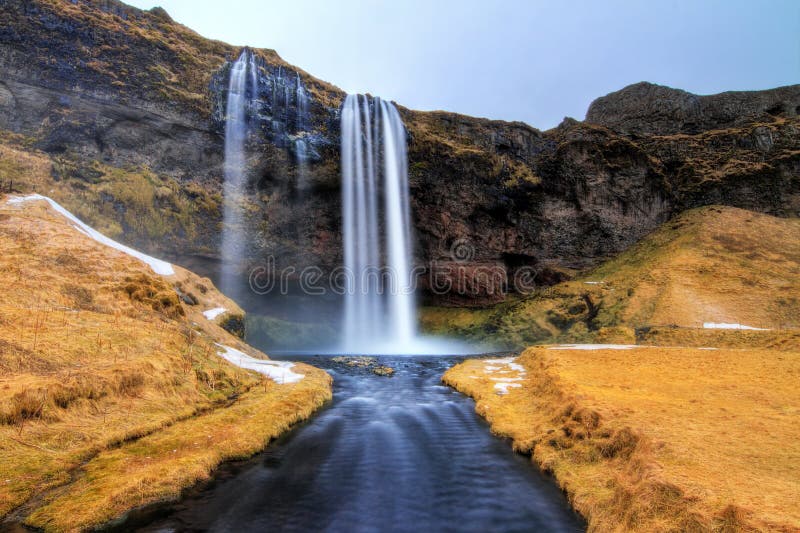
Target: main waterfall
379, 306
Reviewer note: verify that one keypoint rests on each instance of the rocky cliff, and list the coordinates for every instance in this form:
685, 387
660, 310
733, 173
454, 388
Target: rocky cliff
124, 111
648, 109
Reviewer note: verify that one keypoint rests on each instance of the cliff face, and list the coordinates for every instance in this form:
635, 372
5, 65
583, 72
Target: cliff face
98, 88
648, 109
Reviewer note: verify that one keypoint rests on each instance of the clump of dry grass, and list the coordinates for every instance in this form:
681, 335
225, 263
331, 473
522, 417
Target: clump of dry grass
99, 354
155, 293
657, 439
23, 406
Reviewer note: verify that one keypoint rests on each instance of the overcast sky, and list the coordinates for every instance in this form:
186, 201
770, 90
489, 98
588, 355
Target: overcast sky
535, 61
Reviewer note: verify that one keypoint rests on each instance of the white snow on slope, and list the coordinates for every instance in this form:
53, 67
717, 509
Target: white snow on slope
502, 388
714, 325
509, 361
211, 314
278, 371
158, 266
505, 365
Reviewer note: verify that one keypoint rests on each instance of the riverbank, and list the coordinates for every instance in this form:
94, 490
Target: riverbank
653, 439
115, 391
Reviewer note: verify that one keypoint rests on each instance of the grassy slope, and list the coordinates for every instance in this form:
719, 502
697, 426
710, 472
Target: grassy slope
111, 392
712, 264
657, 439
133, 203
174, 63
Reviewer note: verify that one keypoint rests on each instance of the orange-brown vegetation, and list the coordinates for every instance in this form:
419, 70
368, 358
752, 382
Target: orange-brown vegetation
112, 394
657, 439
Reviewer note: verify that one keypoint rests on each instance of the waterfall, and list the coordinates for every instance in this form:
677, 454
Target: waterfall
301, 123
302, 104
232, 248
301, 157
379, 307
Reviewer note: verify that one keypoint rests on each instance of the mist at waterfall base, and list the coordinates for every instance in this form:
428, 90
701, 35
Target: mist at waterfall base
369, 318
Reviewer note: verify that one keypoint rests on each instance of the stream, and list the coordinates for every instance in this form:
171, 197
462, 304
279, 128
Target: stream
400, 453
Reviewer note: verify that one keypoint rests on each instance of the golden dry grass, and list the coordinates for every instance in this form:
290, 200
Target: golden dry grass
99, 358
714, 264
658, 439
782, 340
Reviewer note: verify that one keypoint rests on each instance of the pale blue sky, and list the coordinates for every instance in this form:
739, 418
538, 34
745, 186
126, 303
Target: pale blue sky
533, 61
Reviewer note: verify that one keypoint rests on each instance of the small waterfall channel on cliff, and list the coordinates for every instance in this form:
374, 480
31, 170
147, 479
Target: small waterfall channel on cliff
239, 98
379, 307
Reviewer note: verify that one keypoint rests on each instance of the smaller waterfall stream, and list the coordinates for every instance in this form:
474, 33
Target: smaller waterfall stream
302, 104
300, 142
242, 70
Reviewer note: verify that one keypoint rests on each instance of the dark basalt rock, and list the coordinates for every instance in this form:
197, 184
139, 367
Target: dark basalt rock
649, 109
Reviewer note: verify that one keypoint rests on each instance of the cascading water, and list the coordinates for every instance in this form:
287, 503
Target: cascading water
239, 99
302, 104
300, 143
379, 307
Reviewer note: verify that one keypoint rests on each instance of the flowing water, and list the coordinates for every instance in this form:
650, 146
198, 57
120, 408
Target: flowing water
379, 305
302, 104
242, 70
400, 453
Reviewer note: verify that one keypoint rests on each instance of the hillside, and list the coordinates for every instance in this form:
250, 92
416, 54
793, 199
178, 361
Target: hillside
114, 392
653, 439
562, 200
716, 265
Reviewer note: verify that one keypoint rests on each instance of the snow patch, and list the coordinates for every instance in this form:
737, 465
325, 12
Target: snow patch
495, 365
211, 314
158, 266
502, 388
723, 325
278, 371
502, 361
505, 365
594, 282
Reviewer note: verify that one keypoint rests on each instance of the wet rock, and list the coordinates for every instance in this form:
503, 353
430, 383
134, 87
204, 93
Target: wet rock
370, 364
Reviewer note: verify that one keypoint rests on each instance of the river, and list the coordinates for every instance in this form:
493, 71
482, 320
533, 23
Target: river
400, 453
